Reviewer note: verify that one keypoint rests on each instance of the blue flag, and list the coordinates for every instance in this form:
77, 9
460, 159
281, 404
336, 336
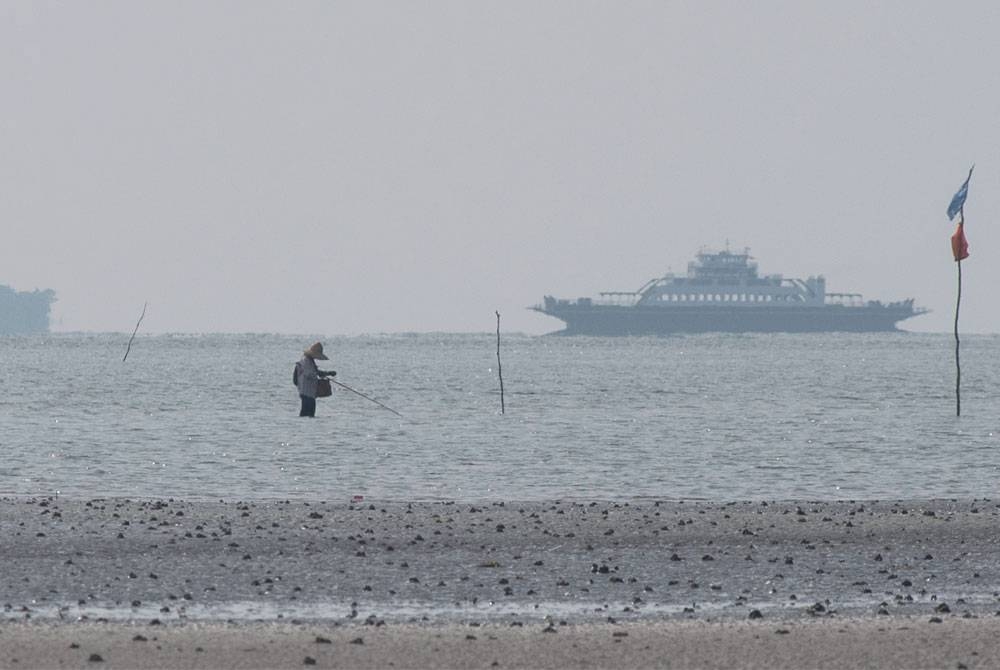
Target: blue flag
958, 201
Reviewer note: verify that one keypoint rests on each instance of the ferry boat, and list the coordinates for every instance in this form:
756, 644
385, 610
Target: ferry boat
25, 312
723, 292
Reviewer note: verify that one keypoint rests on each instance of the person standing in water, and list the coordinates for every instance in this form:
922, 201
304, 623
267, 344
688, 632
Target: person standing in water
307, 377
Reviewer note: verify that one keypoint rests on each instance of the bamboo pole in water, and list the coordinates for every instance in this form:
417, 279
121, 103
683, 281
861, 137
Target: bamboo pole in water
134, 331
499, 369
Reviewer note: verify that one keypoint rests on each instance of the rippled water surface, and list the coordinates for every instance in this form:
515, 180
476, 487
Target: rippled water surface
719, 417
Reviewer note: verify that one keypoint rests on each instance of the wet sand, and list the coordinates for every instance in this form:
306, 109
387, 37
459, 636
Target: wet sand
838, 644
541, 584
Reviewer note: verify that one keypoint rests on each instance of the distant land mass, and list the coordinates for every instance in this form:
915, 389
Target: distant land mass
25, 312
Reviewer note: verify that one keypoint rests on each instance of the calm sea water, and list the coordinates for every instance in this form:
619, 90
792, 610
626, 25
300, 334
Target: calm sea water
720, 417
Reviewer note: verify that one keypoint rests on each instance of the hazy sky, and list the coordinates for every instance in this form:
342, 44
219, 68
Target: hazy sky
330, 167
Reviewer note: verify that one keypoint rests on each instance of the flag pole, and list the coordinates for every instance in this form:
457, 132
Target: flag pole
958, 302
960, 250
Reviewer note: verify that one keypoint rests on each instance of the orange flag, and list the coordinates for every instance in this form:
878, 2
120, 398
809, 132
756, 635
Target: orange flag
959, 245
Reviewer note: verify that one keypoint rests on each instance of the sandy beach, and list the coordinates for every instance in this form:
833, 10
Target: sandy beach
853, 643
170, 583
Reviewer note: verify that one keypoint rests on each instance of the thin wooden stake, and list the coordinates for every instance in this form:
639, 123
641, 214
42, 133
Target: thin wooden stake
499, 369
134, 331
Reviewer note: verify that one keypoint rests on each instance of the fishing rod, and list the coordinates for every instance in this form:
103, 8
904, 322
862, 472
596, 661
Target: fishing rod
352, 390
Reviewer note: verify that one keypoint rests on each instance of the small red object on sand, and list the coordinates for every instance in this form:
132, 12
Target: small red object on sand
357, 498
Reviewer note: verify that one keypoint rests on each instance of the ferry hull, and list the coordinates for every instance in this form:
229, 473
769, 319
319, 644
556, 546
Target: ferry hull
639, 320
724, 293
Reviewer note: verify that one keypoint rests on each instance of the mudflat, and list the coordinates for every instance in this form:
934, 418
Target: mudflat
561, 583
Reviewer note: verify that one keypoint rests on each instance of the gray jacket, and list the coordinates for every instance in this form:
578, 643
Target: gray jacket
308, 377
